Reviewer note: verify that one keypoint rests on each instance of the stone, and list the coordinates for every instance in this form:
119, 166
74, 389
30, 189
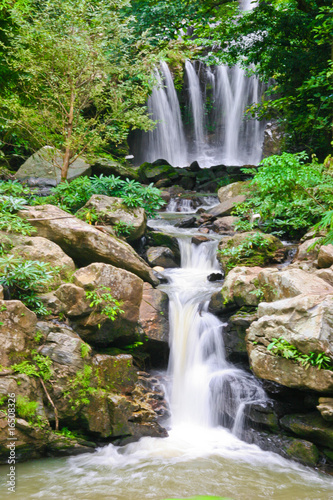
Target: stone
225, 224
83, 242
310, 426
303, 252
281, 284
73, 299
326, 275
149, 172
1, 292
154, 312
47, 163
273, 139
273, 251
225, 208
325, 407
64, 346
232, 190
113, 211
52, 303
159, 239
238, 290
110, 167
161, 256
115, 373
125, 287
325, 256
17, 326
305, 321
197, 240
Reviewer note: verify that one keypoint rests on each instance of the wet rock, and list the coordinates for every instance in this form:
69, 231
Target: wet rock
233, 190
44, 165
161, 256
325, 256
185, 223
225, 224
310, 426
159, 239
17, 326
215, 277
234, 334
83, 242
154, 314
113, 211
153, 172
197, 240
325, 408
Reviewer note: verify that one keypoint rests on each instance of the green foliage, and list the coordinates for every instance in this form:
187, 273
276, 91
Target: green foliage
24, 278
14, 188
102, 301
280, 347
81, 77
71, 196
39, 366
246, 251
80, 388
11, 201
25, 408
290, 194
38, 336
122, 228
11, 223
68, 433
85, 350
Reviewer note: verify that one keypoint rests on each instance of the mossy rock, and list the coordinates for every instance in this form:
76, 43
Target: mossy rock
265, 249
152, 173
158, 239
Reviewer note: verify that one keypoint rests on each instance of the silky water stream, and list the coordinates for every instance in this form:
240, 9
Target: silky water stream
203, 454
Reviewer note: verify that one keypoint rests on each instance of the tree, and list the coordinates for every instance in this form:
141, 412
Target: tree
82, 80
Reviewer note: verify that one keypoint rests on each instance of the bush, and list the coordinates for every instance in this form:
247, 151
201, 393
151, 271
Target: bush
290, 194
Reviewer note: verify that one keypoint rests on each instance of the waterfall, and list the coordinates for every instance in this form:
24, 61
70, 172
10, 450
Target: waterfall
167, 140
206, 389
197, 107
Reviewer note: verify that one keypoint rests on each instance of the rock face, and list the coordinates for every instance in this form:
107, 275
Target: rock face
109, 167
161, 256
232, 190
95, 326
83, 242
113, 211
154, 314
311, 426
17, 327
306, 321
225, 208
45, 165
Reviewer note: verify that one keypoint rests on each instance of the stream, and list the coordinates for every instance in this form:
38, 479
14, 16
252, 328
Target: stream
203, 454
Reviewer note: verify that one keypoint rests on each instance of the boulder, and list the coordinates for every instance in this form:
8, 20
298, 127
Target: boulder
225, 208
43, 250
161, 256
159, 239
17, 327
326, 275
305, 321
112, 211
258, 255
110, 167
232, 190
45, 165
273, 139
73, 299
281, 284
310, 426
303, 252
225, 224
153, 316
64, 346
325, 408
125, 287
83, 242
325, 256
239, 289
149, 172
115, 373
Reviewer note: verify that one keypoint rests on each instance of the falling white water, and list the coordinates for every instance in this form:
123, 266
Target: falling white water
167, 140
206, 389
197, 107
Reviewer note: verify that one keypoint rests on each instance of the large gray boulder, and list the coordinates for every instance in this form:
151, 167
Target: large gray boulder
45, 165
232, 190
113, 211
305, 321
83, 242
154, 314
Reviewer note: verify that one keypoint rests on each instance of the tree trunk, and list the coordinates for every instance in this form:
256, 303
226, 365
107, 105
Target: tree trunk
67, 156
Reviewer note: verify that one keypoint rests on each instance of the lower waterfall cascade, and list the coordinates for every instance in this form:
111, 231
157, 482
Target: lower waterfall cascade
203, 453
